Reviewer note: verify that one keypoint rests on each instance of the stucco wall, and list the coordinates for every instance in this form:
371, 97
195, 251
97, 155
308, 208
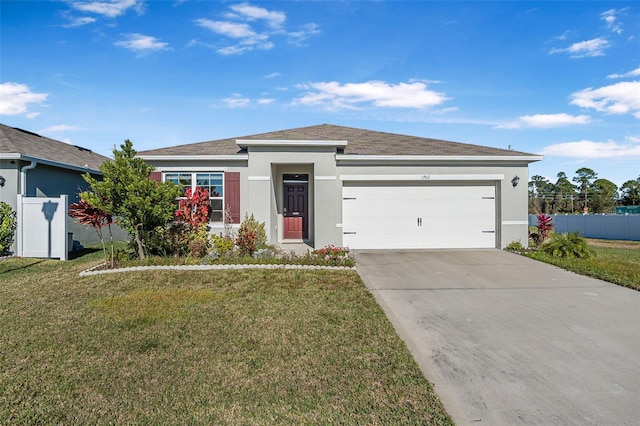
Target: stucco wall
261, 187
265, 188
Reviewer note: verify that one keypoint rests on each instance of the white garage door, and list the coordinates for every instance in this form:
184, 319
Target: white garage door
395, 216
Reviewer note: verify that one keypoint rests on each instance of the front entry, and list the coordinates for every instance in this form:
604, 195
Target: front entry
296, 206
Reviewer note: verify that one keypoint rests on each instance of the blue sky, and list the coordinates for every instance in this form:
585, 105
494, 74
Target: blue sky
560, 79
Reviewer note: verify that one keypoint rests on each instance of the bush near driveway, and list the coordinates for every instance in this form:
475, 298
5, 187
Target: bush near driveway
230, 347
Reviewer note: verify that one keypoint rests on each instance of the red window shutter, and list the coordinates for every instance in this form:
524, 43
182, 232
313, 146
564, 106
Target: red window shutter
232, 194
157, 176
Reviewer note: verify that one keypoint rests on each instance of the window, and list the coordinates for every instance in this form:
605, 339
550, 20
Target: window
212, 182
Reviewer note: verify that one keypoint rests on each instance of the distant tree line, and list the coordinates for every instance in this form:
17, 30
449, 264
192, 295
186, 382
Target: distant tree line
586, 193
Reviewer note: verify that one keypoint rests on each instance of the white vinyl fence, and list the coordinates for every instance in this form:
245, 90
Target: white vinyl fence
606, 227
42, 227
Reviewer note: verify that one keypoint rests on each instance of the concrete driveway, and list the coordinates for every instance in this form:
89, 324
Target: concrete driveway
510, 341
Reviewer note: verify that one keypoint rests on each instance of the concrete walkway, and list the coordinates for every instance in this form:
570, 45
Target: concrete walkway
510, 341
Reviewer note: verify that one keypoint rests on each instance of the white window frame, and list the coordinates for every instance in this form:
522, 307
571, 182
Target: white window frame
194, 179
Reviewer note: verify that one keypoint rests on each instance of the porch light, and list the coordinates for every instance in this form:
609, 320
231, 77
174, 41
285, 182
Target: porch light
515, 181
2, 181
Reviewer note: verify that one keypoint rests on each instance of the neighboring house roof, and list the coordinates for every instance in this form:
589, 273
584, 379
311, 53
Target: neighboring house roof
24, 145
359, 142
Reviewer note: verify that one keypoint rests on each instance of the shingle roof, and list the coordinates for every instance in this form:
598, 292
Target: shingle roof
32, 145
360, 142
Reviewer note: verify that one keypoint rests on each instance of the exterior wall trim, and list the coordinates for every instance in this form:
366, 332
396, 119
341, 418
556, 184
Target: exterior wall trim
326, 178
259, 178
13, 156
234, 157
190, 169
425, 177
515, 222
443, 158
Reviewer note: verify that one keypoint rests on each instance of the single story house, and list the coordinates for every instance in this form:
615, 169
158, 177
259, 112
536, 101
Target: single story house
363, 189
36, 166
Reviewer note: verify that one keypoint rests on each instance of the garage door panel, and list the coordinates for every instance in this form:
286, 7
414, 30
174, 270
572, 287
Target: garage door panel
419, 216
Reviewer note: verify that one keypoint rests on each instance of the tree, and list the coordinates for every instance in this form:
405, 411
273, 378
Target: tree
631, 192
126, 192
565, 193
604, 196
583, 178
542, 192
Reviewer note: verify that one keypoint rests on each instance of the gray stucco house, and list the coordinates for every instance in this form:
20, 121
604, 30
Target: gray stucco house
36, 166
363, 189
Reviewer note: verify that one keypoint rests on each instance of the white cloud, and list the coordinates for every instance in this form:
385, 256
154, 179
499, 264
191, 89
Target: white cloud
546, 121
236, 101
265, 101
297, 37
583, 49
333, 95
75, 21
619, 98
632, 73
142, 44
272, 75
58, 128
110, 9
587, 149
610, 18
15, 99
247, 38
251, 13
251, 27
228, 29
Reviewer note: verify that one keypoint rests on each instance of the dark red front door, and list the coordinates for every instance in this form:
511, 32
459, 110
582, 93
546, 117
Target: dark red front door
296, 210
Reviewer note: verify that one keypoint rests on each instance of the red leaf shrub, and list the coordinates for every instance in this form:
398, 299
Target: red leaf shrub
194, 209
545, 225
88, 215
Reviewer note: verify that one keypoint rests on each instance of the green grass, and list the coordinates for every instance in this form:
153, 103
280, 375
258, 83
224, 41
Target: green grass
201, 347
614, 264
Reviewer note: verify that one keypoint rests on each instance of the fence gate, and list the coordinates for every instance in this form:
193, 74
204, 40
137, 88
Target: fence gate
42, 227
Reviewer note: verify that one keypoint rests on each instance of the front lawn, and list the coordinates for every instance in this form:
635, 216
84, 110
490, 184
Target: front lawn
225, 347
614, 261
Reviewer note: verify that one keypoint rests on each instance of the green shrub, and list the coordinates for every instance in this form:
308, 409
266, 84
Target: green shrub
221, 244
7, 227
198, 242
515, 246
170, 239
567, 245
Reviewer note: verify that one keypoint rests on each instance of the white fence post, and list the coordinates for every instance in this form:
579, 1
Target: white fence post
42, 227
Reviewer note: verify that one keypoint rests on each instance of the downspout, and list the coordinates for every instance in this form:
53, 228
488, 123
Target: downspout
23, 176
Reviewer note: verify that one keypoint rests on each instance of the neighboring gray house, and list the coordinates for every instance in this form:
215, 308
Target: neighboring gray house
358, 188
36, 166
